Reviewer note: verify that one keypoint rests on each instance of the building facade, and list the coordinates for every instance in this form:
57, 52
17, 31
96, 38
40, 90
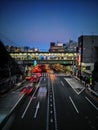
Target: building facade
57, 47
88, 52
72, 46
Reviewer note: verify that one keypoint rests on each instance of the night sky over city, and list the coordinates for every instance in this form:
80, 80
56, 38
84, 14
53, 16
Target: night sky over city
36, 23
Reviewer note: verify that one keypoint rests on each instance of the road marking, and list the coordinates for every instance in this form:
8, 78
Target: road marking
50, 100
30, 101
51, 120
81, 91
47, 120
73, 86
62, 83
51, 111
16, 103
37, 107
26, 108
51, 105
50, 96
54, 107
91, 103
73, 104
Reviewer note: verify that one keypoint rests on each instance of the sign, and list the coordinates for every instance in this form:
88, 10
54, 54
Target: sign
35, 63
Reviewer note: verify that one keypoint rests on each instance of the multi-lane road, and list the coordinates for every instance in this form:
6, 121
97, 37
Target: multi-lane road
57, 103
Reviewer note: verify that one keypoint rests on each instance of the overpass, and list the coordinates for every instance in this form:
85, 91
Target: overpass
28, 58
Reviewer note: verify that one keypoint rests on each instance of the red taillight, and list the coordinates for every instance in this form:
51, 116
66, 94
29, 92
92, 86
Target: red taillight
31, 80
23, 91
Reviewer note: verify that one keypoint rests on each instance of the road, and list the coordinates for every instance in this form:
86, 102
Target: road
74, 111
55, 104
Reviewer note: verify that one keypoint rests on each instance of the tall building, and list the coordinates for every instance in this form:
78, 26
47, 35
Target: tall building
88, 51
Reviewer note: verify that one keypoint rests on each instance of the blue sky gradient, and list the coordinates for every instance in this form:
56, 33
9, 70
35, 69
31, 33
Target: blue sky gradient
36, 23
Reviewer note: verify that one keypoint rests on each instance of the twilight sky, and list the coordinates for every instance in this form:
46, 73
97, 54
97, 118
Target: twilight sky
36, 23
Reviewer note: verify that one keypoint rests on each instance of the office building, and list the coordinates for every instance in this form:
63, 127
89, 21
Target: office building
88, 52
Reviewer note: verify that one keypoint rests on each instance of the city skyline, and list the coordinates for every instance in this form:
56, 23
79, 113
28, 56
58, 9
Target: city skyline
37, 23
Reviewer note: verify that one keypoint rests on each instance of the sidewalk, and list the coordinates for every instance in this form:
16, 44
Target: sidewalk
9, 101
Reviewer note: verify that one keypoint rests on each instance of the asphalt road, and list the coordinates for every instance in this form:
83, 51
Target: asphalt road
59, 108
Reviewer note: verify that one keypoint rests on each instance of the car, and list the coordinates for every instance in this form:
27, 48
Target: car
39, 74
42, 92
35, 77
31, 78
36, 80
27, 90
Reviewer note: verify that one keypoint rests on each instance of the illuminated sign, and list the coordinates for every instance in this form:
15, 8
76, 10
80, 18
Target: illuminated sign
35, 63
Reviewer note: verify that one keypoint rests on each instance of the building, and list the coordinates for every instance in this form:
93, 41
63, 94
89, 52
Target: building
88, 52
72, 46
21, 49
57, 47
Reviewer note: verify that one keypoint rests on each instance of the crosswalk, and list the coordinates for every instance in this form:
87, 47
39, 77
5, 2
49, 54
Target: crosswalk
45, 74
56, 74
61, 74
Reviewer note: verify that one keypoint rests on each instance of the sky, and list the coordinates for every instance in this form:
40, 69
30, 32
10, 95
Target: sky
36, 23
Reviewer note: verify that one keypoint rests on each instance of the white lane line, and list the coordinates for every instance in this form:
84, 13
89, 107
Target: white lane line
73, 104
37, 107
30, 101
16, 103
62, 83
26, 109
91, 103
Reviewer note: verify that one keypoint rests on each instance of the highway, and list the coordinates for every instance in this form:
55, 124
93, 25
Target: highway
55, 104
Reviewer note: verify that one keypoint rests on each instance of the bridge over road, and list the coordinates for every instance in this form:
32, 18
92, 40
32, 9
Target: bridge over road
44, 57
